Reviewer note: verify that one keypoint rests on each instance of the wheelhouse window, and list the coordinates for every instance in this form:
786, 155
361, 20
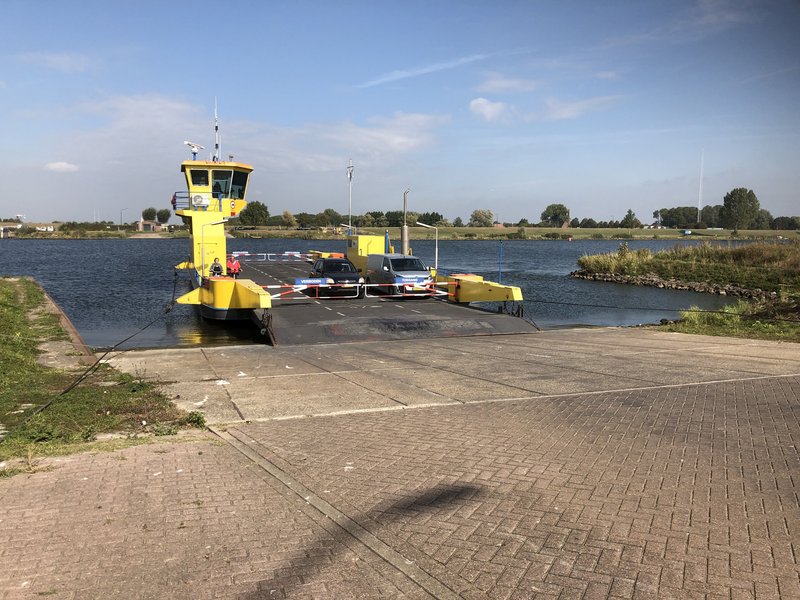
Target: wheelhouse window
239, 185
199, 177
221, 185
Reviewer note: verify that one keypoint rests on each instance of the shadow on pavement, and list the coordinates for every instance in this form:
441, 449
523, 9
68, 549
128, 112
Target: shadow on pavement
307, 564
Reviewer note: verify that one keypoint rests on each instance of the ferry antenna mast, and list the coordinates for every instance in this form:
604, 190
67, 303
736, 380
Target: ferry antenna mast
216, 132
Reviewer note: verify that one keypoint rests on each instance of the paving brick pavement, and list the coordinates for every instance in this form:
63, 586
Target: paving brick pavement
176, 520
671, 471
686, 492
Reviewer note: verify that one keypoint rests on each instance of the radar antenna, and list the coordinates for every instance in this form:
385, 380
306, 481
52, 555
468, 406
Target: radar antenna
195, 148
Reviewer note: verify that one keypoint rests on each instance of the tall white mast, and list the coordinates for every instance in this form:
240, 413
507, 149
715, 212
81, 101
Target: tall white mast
700, 193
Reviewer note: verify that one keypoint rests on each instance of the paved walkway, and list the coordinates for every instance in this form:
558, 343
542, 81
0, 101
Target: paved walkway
567, 464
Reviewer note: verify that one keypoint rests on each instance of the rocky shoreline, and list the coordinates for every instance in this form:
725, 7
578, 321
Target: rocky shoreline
652, 280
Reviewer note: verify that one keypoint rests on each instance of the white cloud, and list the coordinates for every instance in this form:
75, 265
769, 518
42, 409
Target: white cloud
558, 110
608, 75
131, 151
705, 18
490, 111
424, 70
64, 62
61, 167
497, 83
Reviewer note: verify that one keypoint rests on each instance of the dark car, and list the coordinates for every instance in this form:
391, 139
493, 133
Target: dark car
341, 277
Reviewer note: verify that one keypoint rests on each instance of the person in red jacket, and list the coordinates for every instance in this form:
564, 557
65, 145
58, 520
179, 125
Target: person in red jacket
233, 266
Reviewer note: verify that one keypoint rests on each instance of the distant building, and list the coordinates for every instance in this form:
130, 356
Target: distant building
149, 226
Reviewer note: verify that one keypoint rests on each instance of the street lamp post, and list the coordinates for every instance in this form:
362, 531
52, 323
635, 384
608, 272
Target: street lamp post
120, 218
436, 246
203, 245
350, 200
404, 228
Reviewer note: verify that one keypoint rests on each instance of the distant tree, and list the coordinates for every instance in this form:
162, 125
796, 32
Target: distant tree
288, 220
575, 222
739, 209
523, 223
786, 223
275, 221
163, 215
680, 217
630, 221
394, 218
556, 215
763, 219
149, 214
254, 214
328, 218
588, 223
379, 218
710, 215
443, 223
304, 220
457, 222
481, 218
366, 220
657, 216
430, 218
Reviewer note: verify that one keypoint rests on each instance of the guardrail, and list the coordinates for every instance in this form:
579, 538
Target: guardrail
273, 256
344, 291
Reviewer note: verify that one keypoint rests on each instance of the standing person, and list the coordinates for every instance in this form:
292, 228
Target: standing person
215, 270
233, 266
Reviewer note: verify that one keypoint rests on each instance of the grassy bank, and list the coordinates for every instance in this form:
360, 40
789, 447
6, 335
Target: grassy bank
105, 402
762, 265
773, 267
766, 320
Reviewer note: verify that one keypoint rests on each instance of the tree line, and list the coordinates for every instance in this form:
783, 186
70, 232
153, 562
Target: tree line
740, 209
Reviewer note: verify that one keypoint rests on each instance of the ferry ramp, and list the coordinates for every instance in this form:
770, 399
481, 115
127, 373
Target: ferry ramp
317, 316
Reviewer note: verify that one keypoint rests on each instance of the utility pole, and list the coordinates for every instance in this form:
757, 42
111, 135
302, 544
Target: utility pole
350, 201
404, 228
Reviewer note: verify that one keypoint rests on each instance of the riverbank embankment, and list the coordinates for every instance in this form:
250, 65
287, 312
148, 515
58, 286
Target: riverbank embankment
651, 280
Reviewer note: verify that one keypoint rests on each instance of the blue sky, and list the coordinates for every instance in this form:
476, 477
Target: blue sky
508, 106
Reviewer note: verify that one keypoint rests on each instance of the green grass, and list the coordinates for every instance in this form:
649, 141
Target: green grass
105, 402
768, 320
768, 266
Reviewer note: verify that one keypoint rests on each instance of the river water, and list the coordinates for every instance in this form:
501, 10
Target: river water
110, 289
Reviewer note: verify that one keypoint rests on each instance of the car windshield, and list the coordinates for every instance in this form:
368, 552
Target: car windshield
407, 264
338, 267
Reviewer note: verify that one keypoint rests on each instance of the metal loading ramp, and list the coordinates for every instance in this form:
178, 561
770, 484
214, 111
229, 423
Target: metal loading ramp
374, 319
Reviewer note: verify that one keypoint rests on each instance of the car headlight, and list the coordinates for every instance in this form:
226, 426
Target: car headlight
329, 281
360, 280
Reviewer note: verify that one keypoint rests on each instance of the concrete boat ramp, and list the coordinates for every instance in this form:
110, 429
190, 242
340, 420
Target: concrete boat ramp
569, 464
326, 315
243, 383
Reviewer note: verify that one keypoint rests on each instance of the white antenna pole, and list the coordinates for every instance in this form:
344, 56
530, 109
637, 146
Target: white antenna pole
216, 132
700, 193
350, 202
